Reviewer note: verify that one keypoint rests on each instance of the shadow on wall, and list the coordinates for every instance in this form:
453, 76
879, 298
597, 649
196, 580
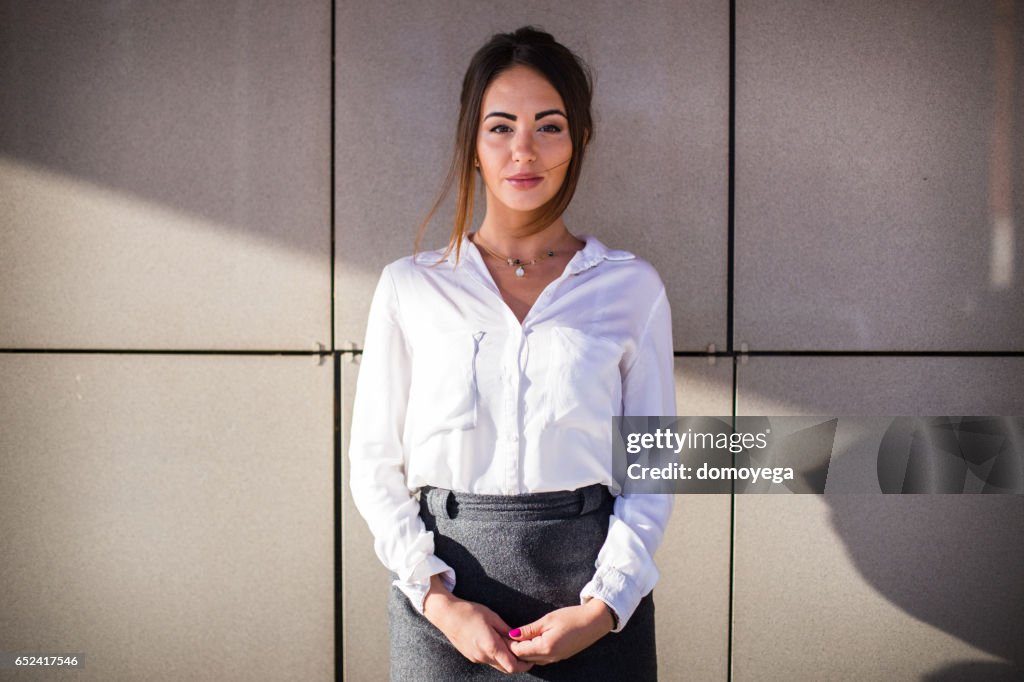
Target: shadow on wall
989, 672
950, 561
194, 111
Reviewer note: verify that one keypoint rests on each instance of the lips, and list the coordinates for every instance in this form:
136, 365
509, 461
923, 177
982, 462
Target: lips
524, 181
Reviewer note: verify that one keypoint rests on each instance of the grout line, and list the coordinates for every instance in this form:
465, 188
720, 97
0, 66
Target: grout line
339, 604
732, 535
731, 184
730, 314
163, 351
855, 353
331, 198
678, 353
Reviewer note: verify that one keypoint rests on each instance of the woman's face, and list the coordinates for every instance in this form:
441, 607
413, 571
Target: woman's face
523, 143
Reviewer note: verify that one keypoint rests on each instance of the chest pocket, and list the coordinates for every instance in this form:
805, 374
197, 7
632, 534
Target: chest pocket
584, 379
443, 391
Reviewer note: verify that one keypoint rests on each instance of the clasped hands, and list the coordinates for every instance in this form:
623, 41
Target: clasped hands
482, 636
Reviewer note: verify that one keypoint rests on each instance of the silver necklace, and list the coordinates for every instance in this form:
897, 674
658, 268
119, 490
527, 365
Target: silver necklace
518, 263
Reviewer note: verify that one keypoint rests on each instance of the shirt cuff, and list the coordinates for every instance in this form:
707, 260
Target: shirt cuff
416, 589
616, 590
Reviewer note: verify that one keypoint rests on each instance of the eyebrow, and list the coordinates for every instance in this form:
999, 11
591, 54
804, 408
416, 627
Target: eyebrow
539, 115
549, 112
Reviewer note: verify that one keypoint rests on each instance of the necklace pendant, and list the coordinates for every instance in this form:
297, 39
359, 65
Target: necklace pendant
520, 271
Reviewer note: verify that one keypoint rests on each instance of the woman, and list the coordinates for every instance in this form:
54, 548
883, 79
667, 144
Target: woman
490, 374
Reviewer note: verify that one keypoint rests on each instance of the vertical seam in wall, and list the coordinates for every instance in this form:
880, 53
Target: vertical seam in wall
331, 199
339, 640
730, 311
731, 182
732, 530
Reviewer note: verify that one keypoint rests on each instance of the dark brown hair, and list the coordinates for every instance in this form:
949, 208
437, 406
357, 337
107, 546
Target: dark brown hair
567, 73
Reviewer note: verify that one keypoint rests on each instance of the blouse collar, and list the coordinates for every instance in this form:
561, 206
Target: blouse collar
593, 253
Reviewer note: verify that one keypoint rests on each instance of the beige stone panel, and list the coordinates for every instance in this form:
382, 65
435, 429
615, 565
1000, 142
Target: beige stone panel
656, 174
692, 596
877, 588
882, 587
165, 175
169, 517
879, 175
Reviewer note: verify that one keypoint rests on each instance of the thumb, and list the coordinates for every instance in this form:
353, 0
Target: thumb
528, 631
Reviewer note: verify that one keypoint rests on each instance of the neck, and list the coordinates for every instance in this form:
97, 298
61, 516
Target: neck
516, 241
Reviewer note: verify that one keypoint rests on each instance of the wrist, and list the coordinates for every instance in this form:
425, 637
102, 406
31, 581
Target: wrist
438, 599
602, 613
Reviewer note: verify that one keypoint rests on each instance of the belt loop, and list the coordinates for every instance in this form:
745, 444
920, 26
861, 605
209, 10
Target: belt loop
592, 498
437, 502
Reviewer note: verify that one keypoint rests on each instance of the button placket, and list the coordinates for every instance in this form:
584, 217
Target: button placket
510, 427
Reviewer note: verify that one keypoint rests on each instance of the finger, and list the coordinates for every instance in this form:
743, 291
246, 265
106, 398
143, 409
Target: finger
528, 631
538, 660
501, 655
523, 666
510, 663
520, 667
535, 650
504, 658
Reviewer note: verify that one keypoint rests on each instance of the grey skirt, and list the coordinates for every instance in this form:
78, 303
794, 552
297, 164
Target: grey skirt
522, 556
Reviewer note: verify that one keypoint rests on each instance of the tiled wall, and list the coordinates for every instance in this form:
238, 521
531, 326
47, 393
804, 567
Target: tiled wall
849, 214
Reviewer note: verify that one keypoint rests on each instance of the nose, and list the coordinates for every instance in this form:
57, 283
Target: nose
523, 149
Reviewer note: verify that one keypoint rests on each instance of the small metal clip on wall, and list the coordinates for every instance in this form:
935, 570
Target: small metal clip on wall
318, 348
351, 347
744, 353
711, 355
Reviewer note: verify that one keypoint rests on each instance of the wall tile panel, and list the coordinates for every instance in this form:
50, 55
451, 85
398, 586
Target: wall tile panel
894, 587
879, 180
655, 180
170, 517
165, 175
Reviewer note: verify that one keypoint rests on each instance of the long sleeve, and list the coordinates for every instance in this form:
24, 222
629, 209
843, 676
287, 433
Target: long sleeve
378, 479
625, 565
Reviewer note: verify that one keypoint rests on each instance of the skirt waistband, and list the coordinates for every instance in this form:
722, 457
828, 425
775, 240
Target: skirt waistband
562, 504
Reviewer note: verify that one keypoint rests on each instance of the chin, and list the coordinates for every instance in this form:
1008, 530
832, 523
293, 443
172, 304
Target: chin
526, 206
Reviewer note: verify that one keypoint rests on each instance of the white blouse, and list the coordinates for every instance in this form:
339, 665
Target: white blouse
453, 392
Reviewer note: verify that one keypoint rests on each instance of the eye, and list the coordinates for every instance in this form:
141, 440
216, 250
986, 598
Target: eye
501, 128
551, 128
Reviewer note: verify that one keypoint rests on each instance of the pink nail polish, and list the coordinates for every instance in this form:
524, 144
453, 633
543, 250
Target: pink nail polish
515, 633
